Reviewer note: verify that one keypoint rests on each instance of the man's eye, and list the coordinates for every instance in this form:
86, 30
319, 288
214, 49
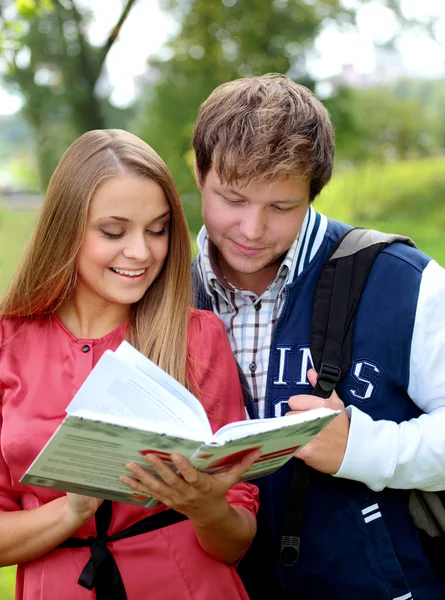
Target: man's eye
111, 236
282, 208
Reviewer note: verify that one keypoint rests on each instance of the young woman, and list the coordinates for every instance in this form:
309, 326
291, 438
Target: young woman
110, 260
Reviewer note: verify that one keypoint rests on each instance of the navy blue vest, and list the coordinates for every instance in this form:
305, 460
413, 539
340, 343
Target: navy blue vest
356, 544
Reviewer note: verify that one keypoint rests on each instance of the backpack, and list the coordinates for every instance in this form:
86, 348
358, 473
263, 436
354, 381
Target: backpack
334, 309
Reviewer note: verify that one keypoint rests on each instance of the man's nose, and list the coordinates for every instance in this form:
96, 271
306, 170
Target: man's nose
253, 225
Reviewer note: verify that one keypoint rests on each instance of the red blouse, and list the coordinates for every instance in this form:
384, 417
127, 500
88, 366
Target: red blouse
42, 365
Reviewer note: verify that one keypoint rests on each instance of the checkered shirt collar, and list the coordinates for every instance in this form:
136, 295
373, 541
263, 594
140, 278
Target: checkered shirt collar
296, 257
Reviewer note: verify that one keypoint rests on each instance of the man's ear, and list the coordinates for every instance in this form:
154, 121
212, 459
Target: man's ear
198, 176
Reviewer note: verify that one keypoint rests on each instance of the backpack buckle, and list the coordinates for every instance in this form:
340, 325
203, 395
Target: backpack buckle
328, 377
290, 550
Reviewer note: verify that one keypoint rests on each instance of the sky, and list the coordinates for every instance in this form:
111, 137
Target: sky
148, 28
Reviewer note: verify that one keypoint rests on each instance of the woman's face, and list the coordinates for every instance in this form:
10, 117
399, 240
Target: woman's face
126, 241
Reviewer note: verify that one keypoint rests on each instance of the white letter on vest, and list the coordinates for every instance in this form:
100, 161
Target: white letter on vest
282, 350
278, 409
306, 364
359, 367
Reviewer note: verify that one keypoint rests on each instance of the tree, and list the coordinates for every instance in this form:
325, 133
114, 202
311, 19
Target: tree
400, 121
56, 69
220, 40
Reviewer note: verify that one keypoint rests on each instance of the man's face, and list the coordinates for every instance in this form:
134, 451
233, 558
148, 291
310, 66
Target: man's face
253, 225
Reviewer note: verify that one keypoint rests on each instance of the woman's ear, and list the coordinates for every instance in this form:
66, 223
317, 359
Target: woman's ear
198, 176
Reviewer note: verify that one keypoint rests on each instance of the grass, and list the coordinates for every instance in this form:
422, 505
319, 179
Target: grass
7, 583
404, 198
15, 229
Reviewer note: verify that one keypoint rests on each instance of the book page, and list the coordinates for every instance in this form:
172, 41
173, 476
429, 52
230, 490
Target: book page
130, 355
240, 429
166, 428
88, 457
117, 388
277, 444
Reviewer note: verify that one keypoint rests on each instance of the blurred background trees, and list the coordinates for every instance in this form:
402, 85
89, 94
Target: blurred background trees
50, 61
60, 74
46, 55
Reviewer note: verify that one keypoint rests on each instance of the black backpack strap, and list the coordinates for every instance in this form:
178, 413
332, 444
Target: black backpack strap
101, 571
334, 308
293, 513
336, 301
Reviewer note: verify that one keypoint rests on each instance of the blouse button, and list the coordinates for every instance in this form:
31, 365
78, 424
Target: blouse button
86, 348
252, 367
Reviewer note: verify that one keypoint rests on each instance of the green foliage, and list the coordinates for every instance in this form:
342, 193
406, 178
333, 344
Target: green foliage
219, 41
15, 135
399, 121
403, 197
51, 62
15, 229
30, 8
22, 173
7, 583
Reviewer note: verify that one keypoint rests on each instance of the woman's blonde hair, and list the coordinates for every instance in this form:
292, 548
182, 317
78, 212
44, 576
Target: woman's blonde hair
46, 275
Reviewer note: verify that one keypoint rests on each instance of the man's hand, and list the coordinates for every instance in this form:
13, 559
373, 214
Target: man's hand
326, 451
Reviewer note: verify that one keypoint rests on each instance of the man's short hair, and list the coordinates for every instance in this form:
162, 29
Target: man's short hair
266, 127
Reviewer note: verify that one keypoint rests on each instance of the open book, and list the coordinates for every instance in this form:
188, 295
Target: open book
129, 407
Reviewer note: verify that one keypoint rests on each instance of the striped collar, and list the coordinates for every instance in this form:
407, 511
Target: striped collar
297, 258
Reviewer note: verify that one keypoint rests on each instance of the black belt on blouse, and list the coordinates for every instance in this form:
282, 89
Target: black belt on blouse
101, 571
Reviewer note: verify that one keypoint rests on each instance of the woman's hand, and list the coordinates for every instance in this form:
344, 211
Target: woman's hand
28, 534
199, 496
82, 508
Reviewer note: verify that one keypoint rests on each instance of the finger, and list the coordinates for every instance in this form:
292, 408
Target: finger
312, 376
146, 482
139, 487
189, 473
165, 472
305, 402
293, 412
159, 492
234, 474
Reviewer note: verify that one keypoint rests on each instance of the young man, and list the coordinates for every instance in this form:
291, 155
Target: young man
264, 150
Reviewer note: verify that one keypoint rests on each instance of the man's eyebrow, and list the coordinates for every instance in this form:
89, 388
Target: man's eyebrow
289, 201
224, 190
295, 201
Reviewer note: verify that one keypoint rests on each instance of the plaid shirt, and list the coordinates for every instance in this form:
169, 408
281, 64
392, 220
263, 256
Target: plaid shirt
249, 318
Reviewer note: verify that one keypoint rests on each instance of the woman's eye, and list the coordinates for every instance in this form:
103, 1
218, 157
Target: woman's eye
111, 236
158, 233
